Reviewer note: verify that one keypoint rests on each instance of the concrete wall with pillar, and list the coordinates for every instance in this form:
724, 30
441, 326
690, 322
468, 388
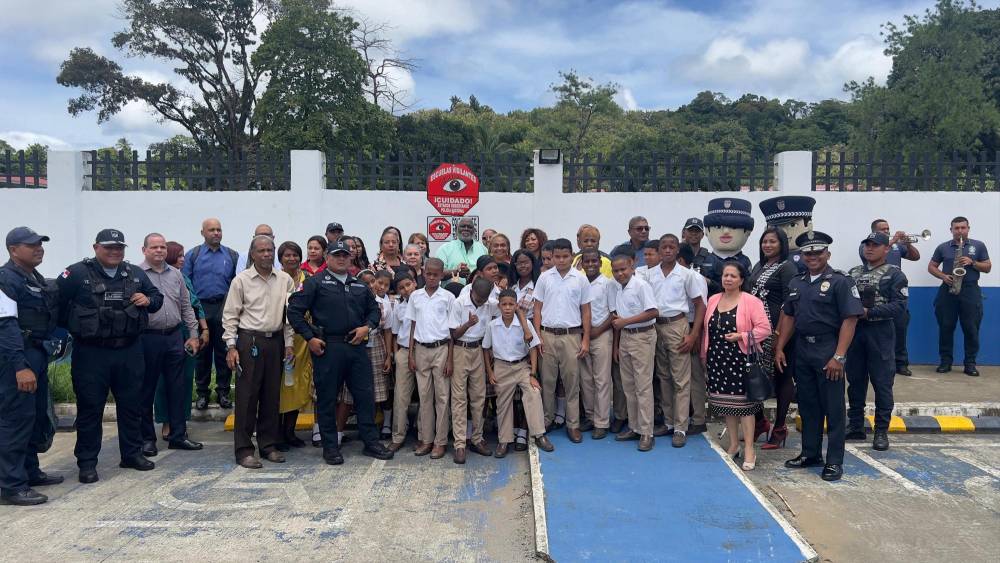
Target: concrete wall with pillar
72, 215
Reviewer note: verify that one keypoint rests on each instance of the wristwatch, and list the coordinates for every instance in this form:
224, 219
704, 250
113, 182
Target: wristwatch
841, 359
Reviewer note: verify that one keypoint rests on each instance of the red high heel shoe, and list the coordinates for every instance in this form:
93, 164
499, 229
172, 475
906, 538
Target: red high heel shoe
777, 439
762, 427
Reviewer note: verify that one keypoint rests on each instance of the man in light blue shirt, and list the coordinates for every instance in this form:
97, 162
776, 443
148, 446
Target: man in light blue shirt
458, 254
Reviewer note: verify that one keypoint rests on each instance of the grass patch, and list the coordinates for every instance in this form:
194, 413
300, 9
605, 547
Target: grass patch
61, 384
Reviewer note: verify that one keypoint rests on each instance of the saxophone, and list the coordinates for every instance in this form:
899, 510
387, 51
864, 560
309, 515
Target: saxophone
957, 272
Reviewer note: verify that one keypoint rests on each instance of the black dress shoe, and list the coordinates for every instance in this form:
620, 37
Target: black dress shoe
599, 433
377, 451
970, 369
201, 403
149, 449
801, 462
904, 370
943, 368
881, 441
282, 447
88, 476
617, 426
626, 435
44, 480
832, 472
520, 446
224, 402
332, 456
854, 435
586, 426
139, 463
185, 444
26, 497
697, 429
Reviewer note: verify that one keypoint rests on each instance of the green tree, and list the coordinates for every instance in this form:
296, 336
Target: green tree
579, 100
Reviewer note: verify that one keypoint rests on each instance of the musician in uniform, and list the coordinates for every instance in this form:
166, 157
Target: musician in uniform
884, 292
959, 298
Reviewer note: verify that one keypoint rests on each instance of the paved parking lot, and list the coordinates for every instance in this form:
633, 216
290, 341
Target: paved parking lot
201, 506
928, 498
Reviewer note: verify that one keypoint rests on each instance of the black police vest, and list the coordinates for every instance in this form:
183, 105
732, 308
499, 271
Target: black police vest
104, 314
37, 317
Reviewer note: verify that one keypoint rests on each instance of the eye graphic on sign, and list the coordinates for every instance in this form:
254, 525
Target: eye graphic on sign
455, 185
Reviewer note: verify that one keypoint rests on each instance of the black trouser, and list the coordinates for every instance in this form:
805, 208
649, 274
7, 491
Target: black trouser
344, 364
258, 393
95, 371
819, 398
216, 350
967, 308
870, 358
164, 358
902, 325
23, 418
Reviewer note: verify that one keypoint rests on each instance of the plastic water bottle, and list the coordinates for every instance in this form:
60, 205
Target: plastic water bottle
289, 372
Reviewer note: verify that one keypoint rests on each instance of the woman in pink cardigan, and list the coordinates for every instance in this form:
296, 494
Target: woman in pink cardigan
729, 320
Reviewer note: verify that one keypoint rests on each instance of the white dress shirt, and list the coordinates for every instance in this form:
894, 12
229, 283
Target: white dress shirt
401, 326
703, 282
602, 299
636, 297
431, 313
507, 342
459, 314
562, 297
675, 291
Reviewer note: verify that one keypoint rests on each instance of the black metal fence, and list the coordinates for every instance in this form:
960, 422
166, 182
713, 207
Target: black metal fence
852, 171
668, 173
505, 172
123, 171
23, 170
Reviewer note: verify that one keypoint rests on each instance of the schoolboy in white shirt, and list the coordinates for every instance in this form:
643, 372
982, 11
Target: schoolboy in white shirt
595, 367
468, 318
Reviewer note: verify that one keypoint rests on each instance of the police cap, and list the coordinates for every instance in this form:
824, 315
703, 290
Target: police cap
334, 227
877, 238
811, 241
24, 235
694, 223
338, 248
110, 237
787, 209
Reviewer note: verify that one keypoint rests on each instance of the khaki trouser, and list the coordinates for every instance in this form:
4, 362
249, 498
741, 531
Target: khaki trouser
635, 353
595, 380
699, 388
559, 360
402, 393
618, 405
673, 373
510, 377
468, 391
434, 389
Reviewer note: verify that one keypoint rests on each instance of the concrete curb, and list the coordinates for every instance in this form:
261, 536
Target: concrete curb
538, 503
934, 424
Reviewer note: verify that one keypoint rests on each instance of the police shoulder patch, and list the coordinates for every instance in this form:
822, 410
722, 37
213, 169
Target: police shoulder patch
8, 307
905, 291
854, 292
65, 274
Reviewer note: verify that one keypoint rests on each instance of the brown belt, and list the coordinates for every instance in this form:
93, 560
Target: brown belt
510, 363
437, 344
464, 344
561, 331
639, 329
260, 334
665, 320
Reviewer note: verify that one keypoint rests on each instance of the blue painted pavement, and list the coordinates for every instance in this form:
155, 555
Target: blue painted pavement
605, 501
922, 337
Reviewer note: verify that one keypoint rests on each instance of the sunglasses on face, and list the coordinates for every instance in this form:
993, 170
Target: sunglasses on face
642, 228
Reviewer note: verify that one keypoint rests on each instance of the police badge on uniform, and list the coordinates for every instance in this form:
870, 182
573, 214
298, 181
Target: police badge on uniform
825, 286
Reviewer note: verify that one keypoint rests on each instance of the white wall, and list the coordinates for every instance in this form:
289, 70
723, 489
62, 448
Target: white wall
72, 215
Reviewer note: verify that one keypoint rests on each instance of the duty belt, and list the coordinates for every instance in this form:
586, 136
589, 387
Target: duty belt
561, 331
464, 344
665, 320
436, 344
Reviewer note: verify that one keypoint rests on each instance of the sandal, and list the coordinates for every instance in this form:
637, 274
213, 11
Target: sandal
317, 439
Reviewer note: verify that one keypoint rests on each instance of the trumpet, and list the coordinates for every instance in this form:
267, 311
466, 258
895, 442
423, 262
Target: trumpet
924, 235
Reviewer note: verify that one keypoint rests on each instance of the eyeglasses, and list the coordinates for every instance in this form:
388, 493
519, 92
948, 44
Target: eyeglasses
642, 228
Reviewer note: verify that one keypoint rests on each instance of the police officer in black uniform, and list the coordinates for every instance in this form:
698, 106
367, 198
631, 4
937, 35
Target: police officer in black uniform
822, 309
104, 303
343, 312
884, 292
28, 314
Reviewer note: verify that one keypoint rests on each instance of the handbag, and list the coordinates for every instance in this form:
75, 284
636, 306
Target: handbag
755, 381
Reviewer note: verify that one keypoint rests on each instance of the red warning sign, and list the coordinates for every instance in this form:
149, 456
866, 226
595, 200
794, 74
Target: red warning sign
438, 228
453, 189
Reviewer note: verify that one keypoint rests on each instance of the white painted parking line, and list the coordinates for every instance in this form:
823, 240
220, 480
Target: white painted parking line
964, 456
948, 444
360, 494
885, 470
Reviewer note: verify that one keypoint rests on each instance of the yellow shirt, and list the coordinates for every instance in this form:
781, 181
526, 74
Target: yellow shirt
605, 265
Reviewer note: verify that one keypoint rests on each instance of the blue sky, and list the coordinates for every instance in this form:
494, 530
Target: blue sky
506, 52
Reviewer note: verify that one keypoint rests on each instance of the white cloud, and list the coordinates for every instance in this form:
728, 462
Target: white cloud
732, 60
411, 19
626, 99
21, 139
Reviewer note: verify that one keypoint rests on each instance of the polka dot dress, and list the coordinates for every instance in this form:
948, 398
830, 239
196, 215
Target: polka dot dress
727, 367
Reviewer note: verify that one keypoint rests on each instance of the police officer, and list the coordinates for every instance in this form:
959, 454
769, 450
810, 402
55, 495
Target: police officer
343, 312
822, 309
28, 314
884, 292
104, 303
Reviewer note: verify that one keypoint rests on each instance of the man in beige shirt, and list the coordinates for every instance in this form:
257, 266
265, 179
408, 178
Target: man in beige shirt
255, 331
